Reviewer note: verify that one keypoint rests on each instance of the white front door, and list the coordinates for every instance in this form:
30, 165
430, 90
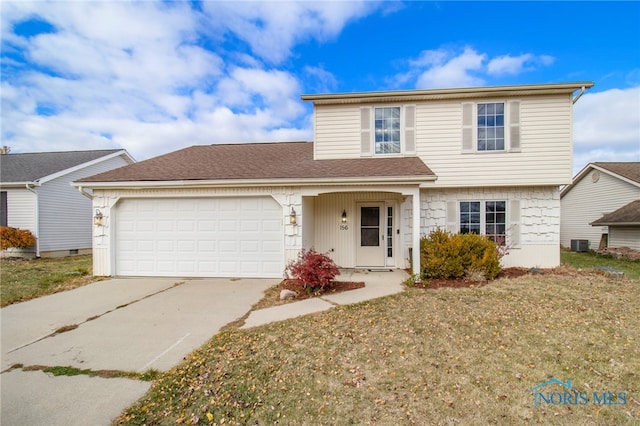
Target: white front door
371, 235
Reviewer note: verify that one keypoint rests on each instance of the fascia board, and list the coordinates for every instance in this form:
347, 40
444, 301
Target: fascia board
263, 182
64, 172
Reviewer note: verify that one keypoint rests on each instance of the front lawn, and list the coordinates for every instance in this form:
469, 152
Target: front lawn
445, 356
22, 280
591, 260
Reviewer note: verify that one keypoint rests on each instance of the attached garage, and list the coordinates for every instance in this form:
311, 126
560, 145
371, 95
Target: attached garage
199, 237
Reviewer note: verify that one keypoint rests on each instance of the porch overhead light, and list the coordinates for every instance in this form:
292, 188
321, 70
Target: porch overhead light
344, 216
97, 219
292, 216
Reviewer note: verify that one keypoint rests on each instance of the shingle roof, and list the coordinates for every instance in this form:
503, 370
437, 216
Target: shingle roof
258, 161
629, 170
626, 215
30, 167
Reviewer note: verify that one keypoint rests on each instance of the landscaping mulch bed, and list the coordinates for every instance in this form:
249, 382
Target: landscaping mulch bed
466, 282
335, 287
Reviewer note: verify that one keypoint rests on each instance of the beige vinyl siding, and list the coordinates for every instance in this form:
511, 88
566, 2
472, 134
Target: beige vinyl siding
545, 146
588, 201
21, 208
624, 236
66, 216
544, 156
338, 133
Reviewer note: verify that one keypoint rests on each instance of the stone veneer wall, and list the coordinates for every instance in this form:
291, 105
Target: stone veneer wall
538, 224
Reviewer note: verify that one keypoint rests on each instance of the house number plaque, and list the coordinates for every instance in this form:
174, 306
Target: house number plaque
344, 227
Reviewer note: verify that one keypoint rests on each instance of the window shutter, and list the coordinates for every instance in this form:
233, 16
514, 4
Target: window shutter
452, 217
514, 126
410, 129
365, 132
467, 127
513, 232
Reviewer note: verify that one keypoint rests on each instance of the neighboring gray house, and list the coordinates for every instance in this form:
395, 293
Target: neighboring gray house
601, 206
36, 194
384, 169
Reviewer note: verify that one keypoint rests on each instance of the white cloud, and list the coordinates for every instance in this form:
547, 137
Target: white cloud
450, 67
446, 70
514, 65
150, 86
606, 127
271, 29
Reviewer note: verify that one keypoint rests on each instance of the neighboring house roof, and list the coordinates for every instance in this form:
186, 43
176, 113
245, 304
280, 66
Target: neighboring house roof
629, 170
626, 171
626, 215
260, 161
34, 167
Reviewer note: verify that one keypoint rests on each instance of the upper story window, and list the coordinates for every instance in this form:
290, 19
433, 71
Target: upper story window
387, 130
491, 127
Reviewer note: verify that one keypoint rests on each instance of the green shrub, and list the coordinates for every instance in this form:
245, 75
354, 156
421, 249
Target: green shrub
444, 255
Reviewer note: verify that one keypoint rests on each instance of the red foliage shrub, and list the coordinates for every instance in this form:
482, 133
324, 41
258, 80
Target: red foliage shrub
14, 237
315, 270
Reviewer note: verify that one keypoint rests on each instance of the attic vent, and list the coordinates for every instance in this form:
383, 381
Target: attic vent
595, 176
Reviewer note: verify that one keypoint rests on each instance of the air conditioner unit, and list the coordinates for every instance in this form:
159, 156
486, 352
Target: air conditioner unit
579, 245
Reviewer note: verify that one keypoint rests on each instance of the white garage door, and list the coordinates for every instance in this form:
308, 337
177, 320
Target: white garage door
199, 237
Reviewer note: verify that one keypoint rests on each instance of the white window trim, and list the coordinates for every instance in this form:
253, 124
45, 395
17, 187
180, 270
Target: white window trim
369, 132
509, 126
512, 218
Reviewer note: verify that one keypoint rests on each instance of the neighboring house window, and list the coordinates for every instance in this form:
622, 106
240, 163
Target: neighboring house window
3, 208
489, 219
491, 127
387, 130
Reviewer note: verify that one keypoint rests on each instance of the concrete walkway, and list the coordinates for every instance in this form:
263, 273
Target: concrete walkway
377, 284
132, 325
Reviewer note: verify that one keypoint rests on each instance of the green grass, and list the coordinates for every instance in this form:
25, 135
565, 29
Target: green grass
591, 261
447, 356
22, 280
146, 376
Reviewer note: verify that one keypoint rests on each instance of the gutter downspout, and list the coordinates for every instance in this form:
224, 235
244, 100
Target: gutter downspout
579, 94
27, 185
85, 193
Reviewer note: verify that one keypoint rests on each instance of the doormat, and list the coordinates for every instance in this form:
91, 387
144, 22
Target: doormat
380, 270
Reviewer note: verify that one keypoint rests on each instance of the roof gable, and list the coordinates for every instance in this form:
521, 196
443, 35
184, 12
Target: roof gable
259, 161
33, 167
626, 171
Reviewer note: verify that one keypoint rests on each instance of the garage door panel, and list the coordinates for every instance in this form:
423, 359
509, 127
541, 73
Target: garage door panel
199, 237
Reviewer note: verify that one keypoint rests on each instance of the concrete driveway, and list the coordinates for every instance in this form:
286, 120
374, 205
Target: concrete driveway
120, 324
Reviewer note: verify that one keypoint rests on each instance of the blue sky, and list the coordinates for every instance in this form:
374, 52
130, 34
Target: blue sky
153, 77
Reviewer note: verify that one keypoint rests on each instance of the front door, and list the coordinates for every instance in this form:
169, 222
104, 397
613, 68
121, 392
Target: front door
371, 235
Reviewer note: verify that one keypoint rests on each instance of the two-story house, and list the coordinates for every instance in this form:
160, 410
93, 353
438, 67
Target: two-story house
384, 169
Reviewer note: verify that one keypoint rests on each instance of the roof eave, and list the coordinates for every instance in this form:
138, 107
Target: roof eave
443, 94
615, 224
413, 180
19, 184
